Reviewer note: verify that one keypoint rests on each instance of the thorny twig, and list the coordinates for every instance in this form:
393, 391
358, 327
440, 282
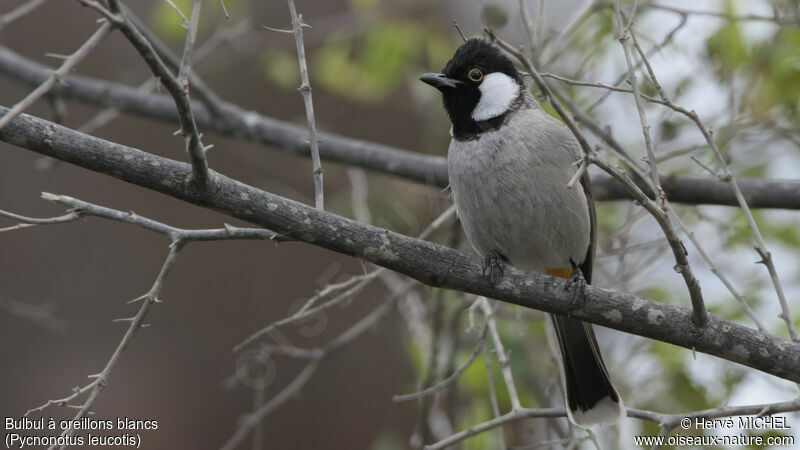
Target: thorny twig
502, 357
305, 91
667, 422
68, 64
700, 317
355, 285
179, 238
178, 90
314, 358
727, 176
19, 11
479, 346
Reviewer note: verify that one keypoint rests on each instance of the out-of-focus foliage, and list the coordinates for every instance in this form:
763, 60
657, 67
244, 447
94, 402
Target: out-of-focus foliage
368, 62
376, 54
771, 64
778, 70
371, 66
168, 23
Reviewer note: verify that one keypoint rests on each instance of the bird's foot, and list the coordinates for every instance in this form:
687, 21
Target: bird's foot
493, 267
577, 284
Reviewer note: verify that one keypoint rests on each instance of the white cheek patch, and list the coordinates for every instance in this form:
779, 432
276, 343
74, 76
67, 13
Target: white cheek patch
498, 91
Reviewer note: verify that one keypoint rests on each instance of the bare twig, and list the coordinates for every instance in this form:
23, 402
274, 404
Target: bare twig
413, 166
531, 33
493, 394
315, 358
656, 208
56, 76
26, 222
651, 157
19, 11
427, 262
188, 48
502, 357
209, 99
511, 416
179, 237
197, 87
194, 146
354, 285
80, 208
727, 176
41, 314
666, 421
450, 379
185, 23
100, 380
458, 29
776, 19
653, 51
179, 92
722, 277
305, 91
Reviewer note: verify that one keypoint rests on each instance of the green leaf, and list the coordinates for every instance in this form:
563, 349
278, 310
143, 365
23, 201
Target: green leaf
726, 47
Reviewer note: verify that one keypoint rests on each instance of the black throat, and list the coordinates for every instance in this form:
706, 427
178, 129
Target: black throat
470, 130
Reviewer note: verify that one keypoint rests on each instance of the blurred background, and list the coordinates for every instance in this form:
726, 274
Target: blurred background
62, 285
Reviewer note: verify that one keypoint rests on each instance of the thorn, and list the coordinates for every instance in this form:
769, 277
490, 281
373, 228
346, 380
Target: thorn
177, 132
208, 147
458, 28
56, 55
144, 325
278, 30
138, 299
124, 319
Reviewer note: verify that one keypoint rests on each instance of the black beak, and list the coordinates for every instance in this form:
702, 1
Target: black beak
439, 80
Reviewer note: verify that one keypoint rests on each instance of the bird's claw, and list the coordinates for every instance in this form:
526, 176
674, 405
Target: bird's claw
494, 265
577, 284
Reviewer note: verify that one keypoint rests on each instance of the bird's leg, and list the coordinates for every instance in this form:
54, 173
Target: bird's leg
577, 283
494, 265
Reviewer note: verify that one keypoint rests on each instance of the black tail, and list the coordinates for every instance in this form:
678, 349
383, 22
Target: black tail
591, 398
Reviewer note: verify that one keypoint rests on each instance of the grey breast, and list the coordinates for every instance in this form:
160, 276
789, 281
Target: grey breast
509, 188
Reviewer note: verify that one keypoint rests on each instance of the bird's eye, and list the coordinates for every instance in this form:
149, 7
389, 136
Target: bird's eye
475, 74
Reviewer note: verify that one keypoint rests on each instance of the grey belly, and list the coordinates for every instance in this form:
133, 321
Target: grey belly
523, 211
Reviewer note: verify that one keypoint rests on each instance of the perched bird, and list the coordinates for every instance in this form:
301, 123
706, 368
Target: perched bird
509, 164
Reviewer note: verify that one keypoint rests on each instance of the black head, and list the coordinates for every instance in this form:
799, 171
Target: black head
480, 85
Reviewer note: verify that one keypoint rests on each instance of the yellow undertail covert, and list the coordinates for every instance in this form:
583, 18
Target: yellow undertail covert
564, 272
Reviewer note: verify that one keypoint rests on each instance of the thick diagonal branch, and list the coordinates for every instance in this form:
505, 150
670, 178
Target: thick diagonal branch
429, 263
